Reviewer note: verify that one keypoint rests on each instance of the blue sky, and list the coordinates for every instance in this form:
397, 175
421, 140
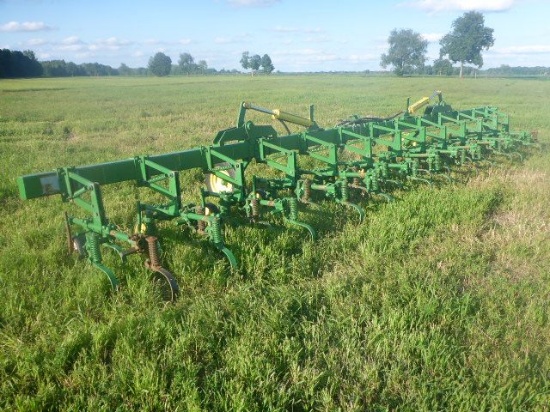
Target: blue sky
298, 35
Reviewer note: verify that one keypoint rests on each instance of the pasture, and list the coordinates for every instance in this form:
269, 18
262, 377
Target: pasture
438, 301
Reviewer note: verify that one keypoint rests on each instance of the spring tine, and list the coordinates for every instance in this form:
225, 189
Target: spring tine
170, 289
70, 245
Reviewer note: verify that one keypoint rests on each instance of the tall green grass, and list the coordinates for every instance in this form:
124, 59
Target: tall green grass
438, 301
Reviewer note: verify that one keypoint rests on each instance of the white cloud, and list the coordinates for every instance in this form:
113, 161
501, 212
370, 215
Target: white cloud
36, 42
529, 49
308, 55
461, 5
362, 58
252, 3
112, 43
15, 26
72, 40
432, 37
152, 42
223, 40
238, 38
317, 39
73, 44
283, 29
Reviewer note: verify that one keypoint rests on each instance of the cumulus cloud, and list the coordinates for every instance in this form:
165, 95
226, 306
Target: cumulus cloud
15, 26
112, 43
223, 40
72, 40
36, 42
286, 29
528, 49
461, 5
236, 39
432, 37
252, 3
73, 44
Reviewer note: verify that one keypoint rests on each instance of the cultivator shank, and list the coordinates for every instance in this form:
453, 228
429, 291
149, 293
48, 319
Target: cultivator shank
370, 155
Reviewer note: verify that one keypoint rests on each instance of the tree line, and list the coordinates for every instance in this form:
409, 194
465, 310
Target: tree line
17, 64
161, 64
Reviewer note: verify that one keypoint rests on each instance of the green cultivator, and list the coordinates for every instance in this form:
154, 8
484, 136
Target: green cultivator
369, 155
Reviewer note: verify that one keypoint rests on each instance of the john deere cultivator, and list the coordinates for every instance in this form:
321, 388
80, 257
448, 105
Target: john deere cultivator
366, 154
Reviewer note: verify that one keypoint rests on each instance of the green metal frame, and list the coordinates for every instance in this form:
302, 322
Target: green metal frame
383, 152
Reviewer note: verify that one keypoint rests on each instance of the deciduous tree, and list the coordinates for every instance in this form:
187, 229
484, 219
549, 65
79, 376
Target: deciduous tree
255, 62
187, 64
468, 38
267, 64
443, 67
245, 60
407, 51
160, 64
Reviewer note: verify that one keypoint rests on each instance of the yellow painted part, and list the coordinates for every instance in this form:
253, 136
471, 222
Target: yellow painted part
287, 117
421, 103
140, 229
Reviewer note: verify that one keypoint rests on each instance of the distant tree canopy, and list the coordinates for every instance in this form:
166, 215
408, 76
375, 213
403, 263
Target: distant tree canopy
60, 68
14, 64
443, 67
255, 62
186, 65
267, 64
468, 38
160, 64
407, 52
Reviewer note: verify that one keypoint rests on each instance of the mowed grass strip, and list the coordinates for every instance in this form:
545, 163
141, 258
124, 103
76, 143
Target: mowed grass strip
436, 302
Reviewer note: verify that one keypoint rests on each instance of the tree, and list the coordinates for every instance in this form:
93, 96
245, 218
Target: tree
245, 60
468, 38
160, 64
124, 70
202, 66
407, 51
267, 64
255, 63
187, 64
443, 67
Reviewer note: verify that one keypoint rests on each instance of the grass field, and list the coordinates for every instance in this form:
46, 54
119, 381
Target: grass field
438, 301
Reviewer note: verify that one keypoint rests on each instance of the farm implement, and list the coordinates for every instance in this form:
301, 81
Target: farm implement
361, 155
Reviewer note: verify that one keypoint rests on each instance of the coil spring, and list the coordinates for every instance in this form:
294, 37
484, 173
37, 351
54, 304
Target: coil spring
255, 209
201, 224
414, 168
307, 189
92, 246
293, 206
437, 163
152, 247
375, 186
216, 231
344, 191
384, 170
